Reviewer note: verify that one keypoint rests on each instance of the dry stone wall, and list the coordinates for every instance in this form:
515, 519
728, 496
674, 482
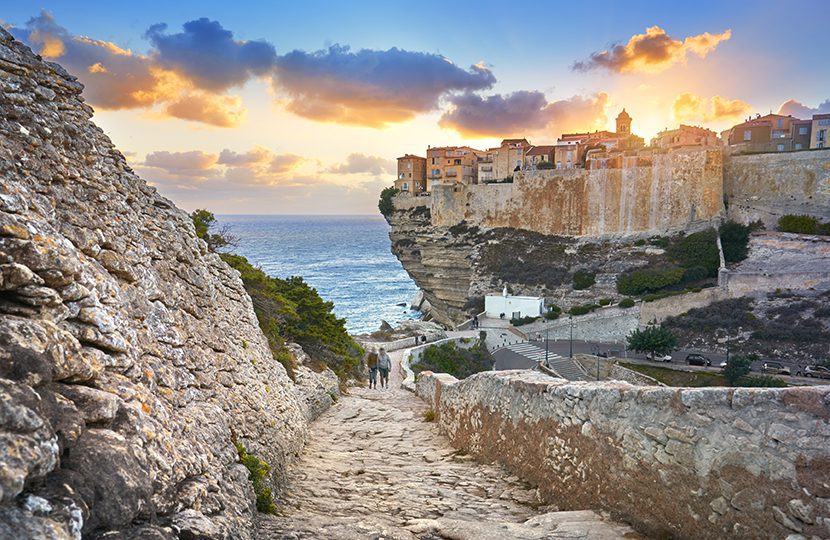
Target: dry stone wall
708, 463
130, 356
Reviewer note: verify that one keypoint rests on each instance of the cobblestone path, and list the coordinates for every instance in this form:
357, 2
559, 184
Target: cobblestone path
373, 468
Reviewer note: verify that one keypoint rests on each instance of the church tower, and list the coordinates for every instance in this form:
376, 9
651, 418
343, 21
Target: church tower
623, 123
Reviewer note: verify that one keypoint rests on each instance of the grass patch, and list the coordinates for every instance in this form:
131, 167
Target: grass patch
429, 415
674, 377
257, 472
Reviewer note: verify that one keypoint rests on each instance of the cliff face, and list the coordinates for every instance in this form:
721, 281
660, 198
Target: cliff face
130, 356
456, 266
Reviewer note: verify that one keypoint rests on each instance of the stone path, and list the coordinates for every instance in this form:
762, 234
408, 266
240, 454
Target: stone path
373, 468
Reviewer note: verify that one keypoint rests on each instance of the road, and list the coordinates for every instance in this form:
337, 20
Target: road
507, 359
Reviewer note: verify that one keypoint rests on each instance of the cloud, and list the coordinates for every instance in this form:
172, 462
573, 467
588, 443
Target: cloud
652, 52
220, 111
689, 107
207, 54
116, 78
284, 163
799, 110
361, 163
195, 164
370, 87
256, 155
521, 112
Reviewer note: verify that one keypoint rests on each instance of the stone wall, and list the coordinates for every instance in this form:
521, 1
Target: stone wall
660, 310
130, 355
767, 186
651, 192
708, 463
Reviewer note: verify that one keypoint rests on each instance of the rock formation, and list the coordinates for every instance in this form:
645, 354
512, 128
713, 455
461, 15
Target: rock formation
130, 356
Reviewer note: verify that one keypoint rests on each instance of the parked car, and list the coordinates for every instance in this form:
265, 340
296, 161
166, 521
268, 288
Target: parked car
819, 372
659, 357
610, 353
776, 368
696, 359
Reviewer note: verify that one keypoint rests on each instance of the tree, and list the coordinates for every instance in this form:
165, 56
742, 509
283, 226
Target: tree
385, 204
204, 221
655, 340
737, 367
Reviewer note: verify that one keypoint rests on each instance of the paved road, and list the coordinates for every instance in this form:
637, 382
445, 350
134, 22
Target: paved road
509, 359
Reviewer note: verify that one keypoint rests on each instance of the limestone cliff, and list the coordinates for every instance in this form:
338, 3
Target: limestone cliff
130, 356
456, 266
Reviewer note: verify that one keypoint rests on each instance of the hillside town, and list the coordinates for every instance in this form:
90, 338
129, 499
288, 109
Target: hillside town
467, 165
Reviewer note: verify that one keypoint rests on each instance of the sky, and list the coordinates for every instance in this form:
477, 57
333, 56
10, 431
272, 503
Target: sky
302, 107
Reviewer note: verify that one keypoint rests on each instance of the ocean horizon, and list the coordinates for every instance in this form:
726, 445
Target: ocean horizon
347, 258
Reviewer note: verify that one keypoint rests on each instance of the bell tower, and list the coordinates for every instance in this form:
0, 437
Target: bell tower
624, 123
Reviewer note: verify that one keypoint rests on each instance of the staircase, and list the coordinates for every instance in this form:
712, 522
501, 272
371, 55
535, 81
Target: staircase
565, 367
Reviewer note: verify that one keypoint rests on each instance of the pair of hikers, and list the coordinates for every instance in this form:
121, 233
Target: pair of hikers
378, 362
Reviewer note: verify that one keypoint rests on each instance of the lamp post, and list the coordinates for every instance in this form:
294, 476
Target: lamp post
571, 340
547, 328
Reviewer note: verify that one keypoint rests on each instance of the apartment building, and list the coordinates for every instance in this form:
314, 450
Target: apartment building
685, 136
820, 131
452, 164
412, 174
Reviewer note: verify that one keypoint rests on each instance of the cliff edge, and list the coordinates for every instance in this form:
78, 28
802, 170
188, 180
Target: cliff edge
130, 356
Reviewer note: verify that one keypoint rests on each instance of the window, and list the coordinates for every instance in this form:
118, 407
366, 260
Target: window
798, 146
747, 135
780, 147
405, 186
457, 162
821, 135
825, 122
410, 175
780, 123
803, 130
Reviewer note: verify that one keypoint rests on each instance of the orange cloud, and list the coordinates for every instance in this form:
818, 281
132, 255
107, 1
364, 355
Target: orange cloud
689, 107
652, 52
116, 78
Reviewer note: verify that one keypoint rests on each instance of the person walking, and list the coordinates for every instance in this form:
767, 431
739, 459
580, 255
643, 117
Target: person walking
384, 365
372, 364
475, 321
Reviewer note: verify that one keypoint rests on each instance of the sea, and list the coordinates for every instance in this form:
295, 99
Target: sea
348, 259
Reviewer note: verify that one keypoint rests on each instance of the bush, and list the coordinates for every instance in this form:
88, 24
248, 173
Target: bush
726, 314
802, 224
522, 320
697, 249
654, 340
762, 381
257, 473
429, 415
640, 242
695, 273
737, 367
626, 303
582, 310
648, 280
543, 165
289, 309
204, 221
458, 362
385, 204
604, 301
659, 241
583, 279
531, 272
553, 312
734, 239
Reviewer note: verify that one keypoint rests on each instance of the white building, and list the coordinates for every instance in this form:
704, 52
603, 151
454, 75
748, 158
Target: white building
513, 306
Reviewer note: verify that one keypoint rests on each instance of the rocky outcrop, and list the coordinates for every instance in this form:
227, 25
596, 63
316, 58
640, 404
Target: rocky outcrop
130, 356
457, 266
702, 463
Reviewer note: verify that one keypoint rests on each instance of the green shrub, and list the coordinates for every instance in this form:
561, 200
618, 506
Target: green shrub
695, 273
543, 165
385, 204
697, 249
257, 473
604, 301
659, 241
429, 415
652, 339
640, 242
762, 381
736, 368
734, 239
798, 223
584, 279
648, 280
626, 303
522, 320
458, 362
582, 310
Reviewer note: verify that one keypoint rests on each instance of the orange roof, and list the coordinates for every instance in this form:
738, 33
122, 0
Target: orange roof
540, 150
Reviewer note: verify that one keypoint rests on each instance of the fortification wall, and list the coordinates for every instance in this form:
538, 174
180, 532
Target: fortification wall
649, 192
707, 463
768, 186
